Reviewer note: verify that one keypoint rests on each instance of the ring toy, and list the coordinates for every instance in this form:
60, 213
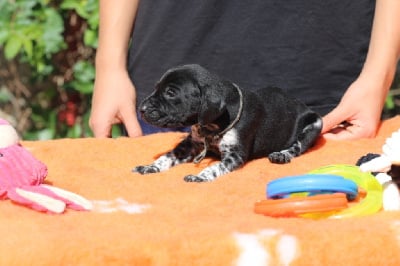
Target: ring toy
311, 183
289, 207
373, 200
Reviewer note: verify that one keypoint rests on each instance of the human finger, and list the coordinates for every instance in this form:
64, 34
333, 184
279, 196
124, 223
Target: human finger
132, 125
344, 131
332, 120
101, 128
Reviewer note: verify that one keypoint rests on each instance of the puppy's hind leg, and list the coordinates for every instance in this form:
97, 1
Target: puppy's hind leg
311, 129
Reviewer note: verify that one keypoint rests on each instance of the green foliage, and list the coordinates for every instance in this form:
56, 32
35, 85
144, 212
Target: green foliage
84, 75
33, 30
89, 11
55, 40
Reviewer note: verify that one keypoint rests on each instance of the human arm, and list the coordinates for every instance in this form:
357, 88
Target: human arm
362, 104
114, 96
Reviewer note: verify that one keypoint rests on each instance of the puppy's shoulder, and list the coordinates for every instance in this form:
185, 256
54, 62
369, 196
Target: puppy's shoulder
271, 93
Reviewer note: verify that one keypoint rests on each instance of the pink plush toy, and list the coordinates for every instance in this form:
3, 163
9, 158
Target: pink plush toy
22, 176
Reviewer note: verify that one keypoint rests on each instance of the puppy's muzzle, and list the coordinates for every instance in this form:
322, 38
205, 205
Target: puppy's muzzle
148, 112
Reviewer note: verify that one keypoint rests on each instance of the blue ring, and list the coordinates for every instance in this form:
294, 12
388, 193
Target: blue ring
312, 183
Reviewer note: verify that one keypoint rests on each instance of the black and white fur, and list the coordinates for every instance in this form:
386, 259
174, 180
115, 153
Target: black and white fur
237, 125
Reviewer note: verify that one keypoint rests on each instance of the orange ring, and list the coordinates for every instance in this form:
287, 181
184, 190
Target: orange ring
291, 207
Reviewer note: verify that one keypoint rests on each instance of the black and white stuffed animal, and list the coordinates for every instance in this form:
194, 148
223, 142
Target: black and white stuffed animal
386, 168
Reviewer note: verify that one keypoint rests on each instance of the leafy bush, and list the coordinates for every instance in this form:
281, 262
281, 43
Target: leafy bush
392, 104
48, 54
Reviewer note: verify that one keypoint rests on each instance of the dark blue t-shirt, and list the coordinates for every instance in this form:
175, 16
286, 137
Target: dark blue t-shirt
313, 49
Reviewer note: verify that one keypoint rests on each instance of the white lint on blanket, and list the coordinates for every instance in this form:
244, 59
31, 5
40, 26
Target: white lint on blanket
395, 228
267, 247
119, 204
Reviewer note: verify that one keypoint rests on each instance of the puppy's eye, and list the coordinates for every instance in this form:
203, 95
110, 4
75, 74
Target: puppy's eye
170, 92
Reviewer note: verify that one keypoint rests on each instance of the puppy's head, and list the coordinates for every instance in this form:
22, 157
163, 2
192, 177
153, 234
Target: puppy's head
184, 96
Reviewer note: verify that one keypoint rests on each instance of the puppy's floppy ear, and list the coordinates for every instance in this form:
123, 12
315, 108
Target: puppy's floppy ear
212, 103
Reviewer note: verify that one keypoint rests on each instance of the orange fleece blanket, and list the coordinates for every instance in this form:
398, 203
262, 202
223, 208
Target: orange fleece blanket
159, 219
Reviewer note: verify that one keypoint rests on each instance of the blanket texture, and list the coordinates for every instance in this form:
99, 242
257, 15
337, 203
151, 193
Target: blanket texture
159, 219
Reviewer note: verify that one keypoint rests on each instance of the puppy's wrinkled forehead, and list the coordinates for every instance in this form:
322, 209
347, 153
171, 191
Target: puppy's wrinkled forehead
190, 75
178, 79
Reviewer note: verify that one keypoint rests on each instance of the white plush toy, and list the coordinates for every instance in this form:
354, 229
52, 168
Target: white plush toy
8, 135
383, 164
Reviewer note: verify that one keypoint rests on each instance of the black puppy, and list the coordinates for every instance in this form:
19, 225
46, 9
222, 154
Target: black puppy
238, 125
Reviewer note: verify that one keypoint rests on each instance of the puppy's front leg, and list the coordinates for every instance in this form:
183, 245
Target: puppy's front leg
232, 158
183, 152
229, 162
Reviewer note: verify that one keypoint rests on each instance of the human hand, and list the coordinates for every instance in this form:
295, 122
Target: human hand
113, 102
358, 113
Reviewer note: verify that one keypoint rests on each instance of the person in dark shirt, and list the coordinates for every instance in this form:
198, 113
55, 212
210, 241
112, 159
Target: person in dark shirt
337, 56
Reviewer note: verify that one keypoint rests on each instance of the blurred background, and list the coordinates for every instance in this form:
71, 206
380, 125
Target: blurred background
47, 50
